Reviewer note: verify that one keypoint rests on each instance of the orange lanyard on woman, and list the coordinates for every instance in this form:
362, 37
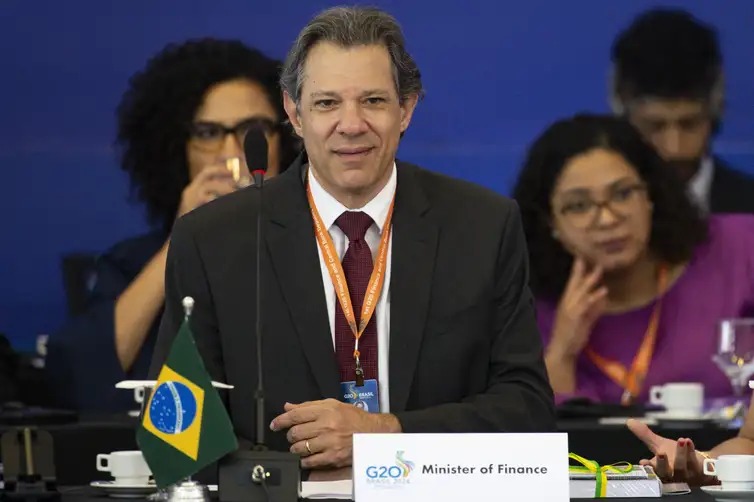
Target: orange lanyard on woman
632, 379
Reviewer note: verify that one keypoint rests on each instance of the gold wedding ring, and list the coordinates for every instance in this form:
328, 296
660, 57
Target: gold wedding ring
308, 448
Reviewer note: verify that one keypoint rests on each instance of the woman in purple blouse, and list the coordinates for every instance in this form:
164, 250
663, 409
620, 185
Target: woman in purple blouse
630, 281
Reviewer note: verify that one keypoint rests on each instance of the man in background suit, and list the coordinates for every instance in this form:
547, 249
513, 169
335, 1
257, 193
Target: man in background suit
668, 78
452, 345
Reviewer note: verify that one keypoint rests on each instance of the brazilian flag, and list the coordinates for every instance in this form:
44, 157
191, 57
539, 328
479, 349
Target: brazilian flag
185, 426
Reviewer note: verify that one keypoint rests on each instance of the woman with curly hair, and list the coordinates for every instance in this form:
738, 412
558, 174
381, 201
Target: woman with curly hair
630, 282
181, 126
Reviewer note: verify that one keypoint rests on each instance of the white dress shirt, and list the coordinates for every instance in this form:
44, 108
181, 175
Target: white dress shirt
329, 210
700, 184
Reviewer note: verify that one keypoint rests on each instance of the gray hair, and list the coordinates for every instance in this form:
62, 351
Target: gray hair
351, 27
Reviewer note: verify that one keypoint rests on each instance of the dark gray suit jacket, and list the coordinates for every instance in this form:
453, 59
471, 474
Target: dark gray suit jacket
732, 191
465, 352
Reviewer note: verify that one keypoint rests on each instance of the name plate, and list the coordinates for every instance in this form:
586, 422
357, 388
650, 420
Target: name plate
458, 467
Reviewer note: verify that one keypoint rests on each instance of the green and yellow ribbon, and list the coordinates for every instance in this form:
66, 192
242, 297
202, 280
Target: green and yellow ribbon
600, 472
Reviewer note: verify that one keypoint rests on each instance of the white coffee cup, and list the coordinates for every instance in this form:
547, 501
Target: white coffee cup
126, 467
683, 400
735, 472
139, 393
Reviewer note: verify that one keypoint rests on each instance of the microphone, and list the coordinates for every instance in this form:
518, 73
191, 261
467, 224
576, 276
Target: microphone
255, 150
258, 474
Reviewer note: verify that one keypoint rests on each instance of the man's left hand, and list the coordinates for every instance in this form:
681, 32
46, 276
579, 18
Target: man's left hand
321, 431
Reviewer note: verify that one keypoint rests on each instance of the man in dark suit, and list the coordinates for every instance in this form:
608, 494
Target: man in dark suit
667, 77
427, 272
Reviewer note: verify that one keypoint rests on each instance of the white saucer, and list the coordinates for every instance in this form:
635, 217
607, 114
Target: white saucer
125, 491
622, 420
728, 495
669, 416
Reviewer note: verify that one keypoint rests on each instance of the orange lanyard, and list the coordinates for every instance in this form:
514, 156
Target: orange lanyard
632, 379
334, 267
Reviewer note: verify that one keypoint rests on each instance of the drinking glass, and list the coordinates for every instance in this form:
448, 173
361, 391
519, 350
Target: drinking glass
735, 352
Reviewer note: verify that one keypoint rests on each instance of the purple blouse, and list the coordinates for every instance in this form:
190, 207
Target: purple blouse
718, 283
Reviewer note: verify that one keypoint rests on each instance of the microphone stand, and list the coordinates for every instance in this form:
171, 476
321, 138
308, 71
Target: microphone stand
259, 394
259, 474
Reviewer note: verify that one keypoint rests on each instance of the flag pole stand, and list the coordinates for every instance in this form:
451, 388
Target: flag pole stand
188, 490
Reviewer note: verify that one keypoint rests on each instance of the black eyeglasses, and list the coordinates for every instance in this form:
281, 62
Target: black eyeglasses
211, 135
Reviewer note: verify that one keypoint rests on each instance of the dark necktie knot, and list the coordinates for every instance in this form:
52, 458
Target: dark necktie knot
354, 224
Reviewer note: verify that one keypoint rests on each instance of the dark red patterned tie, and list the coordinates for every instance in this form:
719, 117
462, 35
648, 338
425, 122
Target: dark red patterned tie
357, 267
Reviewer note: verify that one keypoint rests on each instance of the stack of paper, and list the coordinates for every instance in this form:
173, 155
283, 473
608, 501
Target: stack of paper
339, 490
641, 481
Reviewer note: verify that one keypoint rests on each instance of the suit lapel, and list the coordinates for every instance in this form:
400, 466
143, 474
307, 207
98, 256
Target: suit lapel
730, 191
293, 250
413, 259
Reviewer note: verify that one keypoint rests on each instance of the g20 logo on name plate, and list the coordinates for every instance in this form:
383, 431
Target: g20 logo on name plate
390, 475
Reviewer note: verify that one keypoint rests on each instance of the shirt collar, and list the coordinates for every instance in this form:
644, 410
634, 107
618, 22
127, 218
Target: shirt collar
700, 184
330, 209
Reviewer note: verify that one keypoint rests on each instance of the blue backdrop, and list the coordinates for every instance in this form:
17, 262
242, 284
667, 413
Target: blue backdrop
495, 76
